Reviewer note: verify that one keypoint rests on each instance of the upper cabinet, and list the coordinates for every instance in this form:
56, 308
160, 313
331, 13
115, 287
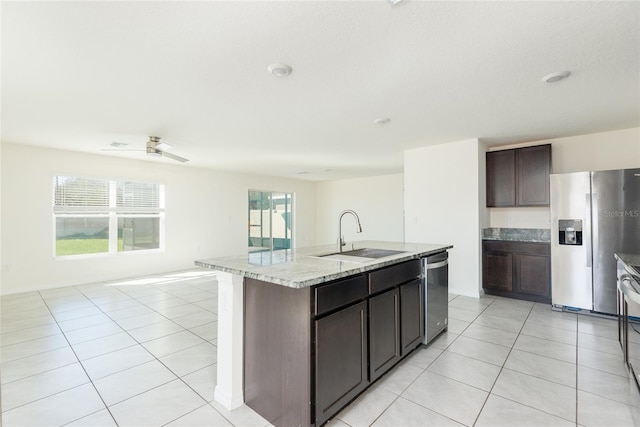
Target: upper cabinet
519, 177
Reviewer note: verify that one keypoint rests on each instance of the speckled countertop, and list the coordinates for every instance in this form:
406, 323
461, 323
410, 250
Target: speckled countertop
300, 268
539, 235
629, 259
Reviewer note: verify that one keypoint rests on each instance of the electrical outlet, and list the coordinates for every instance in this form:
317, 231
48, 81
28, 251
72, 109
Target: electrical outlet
5, 267
510, 220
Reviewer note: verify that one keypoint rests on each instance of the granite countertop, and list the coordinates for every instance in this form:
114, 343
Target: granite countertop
628, 259
301, 268
536, 235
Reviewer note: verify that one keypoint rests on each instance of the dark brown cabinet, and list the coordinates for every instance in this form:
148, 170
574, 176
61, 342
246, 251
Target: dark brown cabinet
341, 359
395, 315
533, 165
517, 269
411, 316
519, 177
532, 274
501, 178
310, 351
497, 272
384, 332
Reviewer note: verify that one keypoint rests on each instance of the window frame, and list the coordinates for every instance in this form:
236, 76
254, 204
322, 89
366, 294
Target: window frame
113, 213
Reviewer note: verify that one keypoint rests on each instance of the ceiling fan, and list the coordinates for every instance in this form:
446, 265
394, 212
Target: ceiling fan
154, 148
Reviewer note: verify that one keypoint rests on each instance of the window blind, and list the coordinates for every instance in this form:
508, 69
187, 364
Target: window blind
138, 197
73, 195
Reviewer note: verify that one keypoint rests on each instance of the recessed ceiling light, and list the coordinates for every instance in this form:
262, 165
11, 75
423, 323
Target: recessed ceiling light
556, 77
280, 70
118, 144
302, 172
393, 2
382, 121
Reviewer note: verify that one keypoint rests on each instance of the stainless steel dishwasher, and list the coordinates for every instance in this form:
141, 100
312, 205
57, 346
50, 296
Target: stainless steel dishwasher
435, 270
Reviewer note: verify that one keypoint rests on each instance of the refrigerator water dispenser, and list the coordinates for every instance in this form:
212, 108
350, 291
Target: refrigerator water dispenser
570, 231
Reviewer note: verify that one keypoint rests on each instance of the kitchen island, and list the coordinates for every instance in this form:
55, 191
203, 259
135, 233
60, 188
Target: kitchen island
628, 303
301, 334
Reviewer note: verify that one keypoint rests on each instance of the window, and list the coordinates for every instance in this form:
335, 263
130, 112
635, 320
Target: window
270, 220
106, 216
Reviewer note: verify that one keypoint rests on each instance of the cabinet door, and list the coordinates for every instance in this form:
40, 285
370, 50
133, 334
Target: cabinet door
533, 274
534, 167
341, 359
384, 332
497, 271
411, 316
501, 178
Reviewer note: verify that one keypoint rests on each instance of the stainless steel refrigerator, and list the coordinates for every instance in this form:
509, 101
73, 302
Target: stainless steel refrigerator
593, 216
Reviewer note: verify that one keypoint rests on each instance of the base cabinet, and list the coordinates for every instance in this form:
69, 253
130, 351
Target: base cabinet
341, 359
497, 271
309, 352
411, 316
384, 321
519, 270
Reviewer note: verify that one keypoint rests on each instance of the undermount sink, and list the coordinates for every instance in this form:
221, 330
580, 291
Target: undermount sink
361, 255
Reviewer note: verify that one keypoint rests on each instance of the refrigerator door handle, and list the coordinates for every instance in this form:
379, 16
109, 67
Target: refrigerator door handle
594, 230
587, 241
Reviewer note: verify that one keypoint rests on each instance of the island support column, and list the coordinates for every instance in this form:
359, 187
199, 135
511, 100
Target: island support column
228, 391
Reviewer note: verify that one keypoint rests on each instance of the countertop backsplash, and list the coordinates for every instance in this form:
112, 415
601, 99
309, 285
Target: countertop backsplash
542, 235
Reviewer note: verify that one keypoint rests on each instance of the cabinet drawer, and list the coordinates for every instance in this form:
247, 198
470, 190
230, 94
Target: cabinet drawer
532, 248
339, 294
389, 277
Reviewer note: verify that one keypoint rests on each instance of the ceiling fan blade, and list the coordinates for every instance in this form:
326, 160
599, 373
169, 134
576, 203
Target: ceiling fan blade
173, 156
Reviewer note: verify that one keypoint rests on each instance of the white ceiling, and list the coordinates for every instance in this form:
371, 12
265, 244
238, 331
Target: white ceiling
79, 75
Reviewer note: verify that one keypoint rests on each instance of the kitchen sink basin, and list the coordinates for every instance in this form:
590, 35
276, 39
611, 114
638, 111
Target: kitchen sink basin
370, 253
361, 255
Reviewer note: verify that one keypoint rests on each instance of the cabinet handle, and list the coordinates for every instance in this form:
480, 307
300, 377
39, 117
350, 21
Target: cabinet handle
587, 227
594, 231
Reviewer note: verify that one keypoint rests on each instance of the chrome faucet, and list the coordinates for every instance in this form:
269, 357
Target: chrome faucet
341, 242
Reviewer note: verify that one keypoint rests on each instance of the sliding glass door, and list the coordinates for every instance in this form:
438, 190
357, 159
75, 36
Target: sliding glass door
270, 220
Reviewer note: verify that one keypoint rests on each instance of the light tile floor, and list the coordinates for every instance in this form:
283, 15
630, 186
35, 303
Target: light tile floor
142, 352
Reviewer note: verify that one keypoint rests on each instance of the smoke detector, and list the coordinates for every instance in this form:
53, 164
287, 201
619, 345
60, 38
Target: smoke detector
280, 70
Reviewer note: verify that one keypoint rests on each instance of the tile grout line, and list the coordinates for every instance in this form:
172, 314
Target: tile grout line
178, 377
502, 368
81, 365
409, 385
70, 346
434, 361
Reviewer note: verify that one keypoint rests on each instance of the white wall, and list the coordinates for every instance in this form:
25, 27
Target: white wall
378, 201
598, 151
206, 216
444, 203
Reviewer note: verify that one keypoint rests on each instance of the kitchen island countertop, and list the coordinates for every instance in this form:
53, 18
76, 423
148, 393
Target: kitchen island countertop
304, 267
628, 259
